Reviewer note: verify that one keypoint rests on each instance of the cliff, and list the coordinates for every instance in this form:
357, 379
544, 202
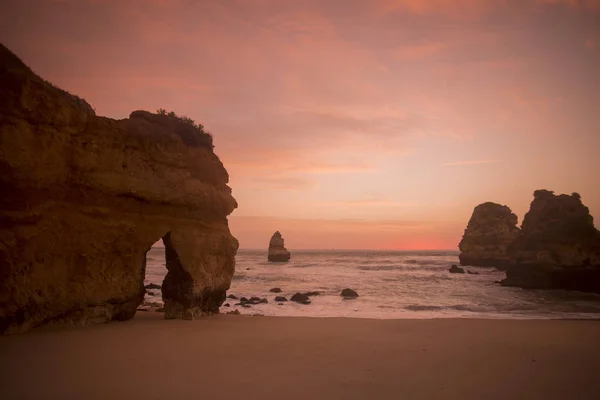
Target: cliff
491, 229
558, 247
277, 250
84, 198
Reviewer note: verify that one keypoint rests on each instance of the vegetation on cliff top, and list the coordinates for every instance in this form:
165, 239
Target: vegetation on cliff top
199, 136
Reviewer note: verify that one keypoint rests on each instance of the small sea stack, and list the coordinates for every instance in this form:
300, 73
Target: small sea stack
277, 250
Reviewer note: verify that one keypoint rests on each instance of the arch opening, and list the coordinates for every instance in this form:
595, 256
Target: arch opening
155, 270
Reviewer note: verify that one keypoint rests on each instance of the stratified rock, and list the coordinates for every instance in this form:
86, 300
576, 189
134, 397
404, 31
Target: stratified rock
83, 198
491, 229
349, 294
300, 298
455, 269
277, 250
558, 248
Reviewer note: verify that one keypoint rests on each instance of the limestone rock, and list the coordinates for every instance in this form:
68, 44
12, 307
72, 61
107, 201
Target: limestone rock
277, 250
491, 229
300, 298
349, 294
84, 198
558, 247
455, 269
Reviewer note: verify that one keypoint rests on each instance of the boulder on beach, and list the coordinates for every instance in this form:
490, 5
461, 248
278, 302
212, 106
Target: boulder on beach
300, 298
85, 197
455, 269
349, 294
558, 247
277, 250
491, 229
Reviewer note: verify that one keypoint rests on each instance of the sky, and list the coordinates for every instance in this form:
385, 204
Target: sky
347, 124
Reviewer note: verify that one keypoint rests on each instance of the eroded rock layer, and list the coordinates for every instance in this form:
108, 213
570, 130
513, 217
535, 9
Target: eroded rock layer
558, 248
84, 197
491, 229
277, 250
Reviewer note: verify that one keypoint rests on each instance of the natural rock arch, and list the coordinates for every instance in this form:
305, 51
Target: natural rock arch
84, 198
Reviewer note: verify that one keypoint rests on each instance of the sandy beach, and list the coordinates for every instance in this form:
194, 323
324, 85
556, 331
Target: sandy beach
234, 357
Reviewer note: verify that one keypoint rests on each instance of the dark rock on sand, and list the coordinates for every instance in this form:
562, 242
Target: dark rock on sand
455, 269
280, 298
349, 294
300, 298
255, 300
277, 250
275, 290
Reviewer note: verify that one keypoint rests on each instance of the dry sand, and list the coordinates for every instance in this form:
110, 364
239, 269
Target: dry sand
243, 357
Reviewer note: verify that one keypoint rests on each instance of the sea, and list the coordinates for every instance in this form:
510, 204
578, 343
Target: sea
390, 285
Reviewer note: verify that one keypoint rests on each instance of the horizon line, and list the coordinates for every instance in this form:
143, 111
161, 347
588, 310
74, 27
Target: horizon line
331, 249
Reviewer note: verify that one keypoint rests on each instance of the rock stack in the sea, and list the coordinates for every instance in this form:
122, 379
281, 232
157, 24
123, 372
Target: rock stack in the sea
558, 247
277, 250
84, 197
491, 229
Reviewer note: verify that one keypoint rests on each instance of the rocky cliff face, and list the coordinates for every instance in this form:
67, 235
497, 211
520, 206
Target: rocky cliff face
491, 229
558, 247
277, 250
84, 197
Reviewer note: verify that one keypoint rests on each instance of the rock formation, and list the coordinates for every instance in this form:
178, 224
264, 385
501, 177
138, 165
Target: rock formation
455, 269
349, 294
84, 197
491, 229
558, 247
277, 250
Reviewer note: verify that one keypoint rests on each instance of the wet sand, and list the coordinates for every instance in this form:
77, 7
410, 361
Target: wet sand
244, 357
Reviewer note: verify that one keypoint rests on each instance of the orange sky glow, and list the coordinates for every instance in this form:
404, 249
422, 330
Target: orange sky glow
347, 124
